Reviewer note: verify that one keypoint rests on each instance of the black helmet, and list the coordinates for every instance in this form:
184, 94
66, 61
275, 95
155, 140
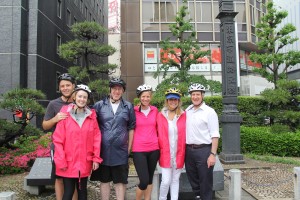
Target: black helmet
84, 88
66, 77
117, 81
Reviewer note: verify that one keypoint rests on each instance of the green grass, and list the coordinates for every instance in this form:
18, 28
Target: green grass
275, 159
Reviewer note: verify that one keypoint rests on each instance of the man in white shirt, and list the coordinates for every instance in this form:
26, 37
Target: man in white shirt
202, 136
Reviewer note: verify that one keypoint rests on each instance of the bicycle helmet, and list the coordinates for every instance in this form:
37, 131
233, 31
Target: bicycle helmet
84, 88
196, 87
117, 81
143, 88
173, 93
66, 77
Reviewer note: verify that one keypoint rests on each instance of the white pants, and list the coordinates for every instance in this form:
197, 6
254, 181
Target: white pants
169, 179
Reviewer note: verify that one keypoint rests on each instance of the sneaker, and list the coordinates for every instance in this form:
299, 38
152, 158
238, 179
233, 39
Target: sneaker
197, 198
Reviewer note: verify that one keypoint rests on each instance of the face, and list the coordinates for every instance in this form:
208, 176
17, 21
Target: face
173, 103
66, 88
145, 98
116, 92
81, 98
197, 98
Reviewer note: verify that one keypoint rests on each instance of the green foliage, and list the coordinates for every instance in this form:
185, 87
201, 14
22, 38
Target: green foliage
86, 46
283, 104
8, 128
24, 99
272, 41
24, 106
261, 141
187, 44
251, 108
274, 159
175, 81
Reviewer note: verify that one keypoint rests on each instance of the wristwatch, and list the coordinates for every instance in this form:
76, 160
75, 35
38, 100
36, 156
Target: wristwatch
213, 154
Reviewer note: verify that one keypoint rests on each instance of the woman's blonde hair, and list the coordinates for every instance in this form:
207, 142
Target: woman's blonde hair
178, 110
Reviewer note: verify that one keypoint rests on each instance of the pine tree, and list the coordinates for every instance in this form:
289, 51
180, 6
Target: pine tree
86, 46
24, 106
182, 54
272, 40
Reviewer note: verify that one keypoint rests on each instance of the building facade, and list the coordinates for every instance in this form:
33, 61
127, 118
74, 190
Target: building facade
144, 23
31, 33
292, 7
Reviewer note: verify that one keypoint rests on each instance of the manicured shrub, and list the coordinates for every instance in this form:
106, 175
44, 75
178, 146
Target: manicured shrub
261, 140
22, 158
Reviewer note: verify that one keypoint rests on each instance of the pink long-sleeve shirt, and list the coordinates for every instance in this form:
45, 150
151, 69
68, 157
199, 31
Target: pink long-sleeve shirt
145, 137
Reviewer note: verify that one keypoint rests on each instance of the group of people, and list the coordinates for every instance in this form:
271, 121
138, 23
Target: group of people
96, 142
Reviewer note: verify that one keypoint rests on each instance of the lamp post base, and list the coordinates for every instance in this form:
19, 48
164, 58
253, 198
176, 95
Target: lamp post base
231, 158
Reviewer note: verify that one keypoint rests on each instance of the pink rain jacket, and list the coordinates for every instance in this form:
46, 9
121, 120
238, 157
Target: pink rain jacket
76, 147
163, 140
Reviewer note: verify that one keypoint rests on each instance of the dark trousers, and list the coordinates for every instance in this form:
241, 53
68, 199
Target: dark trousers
199, 175
145, 164
69, 188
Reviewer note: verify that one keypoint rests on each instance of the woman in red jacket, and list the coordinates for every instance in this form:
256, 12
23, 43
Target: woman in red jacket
76, 141
171, 137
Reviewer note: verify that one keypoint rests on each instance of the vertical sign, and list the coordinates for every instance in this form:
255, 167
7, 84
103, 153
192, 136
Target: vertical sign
114, 16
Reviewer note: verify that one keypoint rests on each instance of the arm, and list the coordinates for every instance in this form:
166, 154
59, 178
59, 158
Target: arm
131, 127
48, 124
131, 132
213, 127
211, 161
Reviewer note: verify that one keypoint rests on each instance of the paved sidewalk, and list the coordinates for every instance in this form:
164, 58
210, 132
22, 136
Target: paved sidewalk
219, 195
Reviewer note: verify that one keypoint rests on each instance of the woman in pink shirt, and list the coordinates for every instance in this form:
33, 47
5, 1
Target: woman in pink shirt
145, 142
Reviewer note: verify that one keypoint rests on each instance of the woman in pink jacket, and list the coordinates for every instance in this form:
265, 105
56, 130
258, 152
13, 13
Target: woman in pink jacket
171, 137
76, 141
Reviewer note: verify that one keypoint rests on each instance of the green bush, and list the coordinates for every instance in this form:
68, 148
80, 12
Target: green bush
250, 108
261, 140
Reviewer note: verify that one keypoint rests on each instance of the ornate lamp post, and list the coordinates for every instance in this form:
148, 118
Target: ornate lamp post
231, 119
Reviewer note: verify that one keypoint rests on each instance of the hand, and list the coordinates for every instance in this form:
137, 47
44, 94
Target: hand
60, 116
95, 166
211, 161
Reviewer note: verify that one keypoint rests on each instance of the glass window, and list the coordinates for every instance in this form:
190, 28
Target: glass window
59, 8
191, 10
58, 43
147, 12
81, 6
206, 12
75, 20
86, 13
167, 11
241, 16
69, 20
203, 12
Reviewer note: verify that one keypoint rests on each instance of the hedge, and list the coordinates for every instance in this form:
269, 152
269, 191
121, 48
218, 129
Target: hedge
250, 108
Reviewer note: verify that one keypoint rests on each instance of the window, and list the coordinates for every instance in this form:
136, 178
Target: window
69, 19
81, 6
167, 11
58, 43
75, 20
59, 8
86, 13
